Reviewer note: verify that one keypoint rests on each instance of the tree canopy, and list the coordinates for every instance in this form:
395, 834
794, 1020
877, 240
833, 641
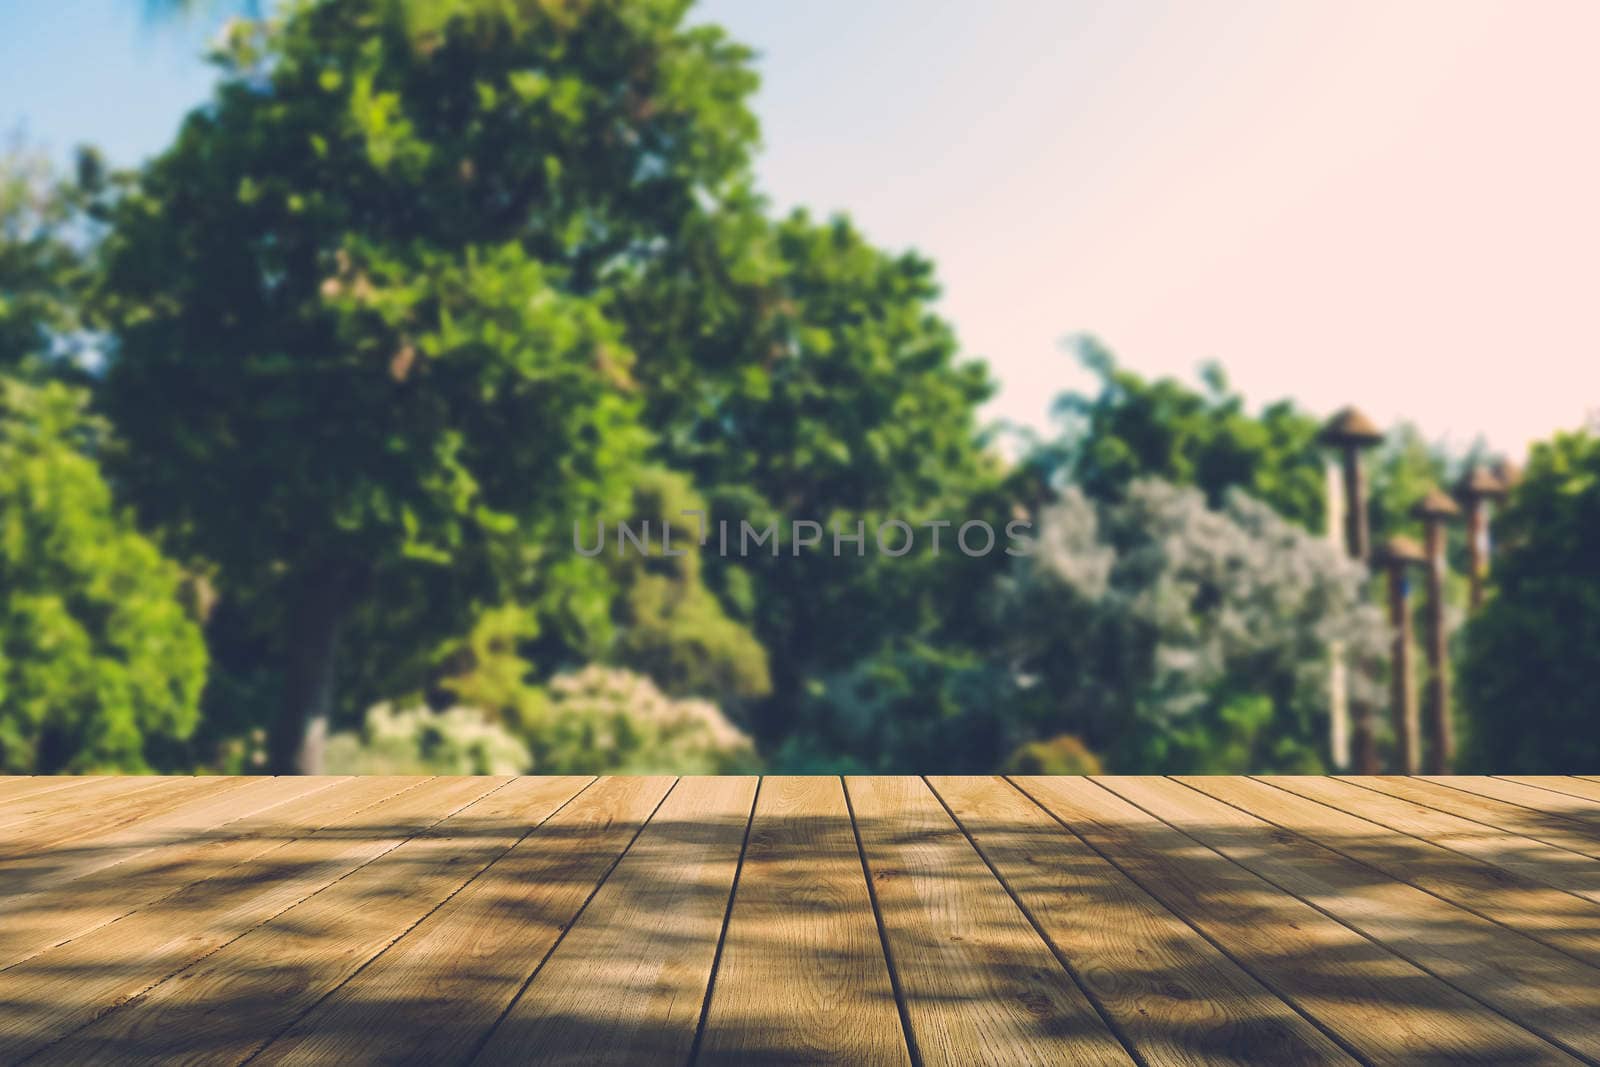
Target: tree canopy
1531, 655
1133, 428
101, 667
373, 278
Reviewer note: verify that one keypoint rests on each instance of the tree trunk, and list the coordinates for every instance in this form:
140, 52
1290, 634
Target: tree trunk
301, 729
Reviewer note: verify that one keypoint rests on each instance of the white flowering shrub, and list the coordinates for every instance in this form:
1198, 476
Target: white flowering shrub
606, 720
1173, 636
419, 740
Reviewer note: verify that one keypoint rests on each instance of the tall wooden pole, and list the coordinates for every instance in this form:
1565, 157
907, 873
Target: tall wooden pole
1477, 547
1355, 496
1355, 488
1435, 509
1349, 432
1479, 488
1402, 699
1338, 680
1442, 744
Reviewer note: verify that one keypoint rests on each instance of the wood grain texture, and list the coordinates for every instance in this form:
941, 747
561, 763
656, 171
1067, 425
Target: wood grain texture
16, 787
1573, 786
56, 912
1572, 798
1535, 860
802, 978
434, 995
1550, 916
55, 993
43, 820
1513, 818
627, 983
1529, 983
1173, 996
734, 920
1384, 1008
57, 867
978, 983
226, 1006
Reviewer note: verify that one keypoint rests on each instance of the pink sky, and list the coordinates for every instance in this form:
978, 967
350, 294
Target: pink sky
1395, 204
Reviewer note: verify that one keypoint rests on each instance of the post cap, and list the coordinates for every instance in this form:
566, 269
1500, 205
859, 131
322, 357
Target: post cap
1350, 428
1482, 482
1400, 550
1436, 505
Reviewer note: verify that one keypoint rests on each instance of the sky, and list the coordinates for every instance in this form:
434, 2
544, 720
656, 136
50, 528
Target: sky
1395, 205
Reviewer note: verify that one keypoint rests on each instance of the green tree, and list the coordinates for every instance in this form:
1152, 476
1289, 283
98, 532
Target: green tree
101, 668
823, 388
1533, 651
669, 625
367, 360
42, 274
1134, 428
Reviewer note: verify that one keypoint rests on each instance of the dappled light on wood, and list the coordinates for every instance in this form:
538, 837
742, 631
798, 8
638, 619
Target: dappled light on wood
892, 920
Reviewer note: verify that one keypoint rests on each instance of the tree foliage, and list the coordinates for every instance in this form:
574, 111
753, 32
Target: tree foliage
669, 625
1133, 428
832, 393
42, 274
373, 280
1532, 653
101, 668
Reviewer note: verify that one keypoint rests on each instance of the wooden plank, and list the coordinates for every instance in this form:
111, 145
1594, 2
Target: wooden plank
59, 866
1529, 983
18, 787
1548, 794
229, 1004
46, 917
802, 978
627, 983
1534, 860
93, 796
1512, 818
977, 982
1384, 1008
434, 996
1550, 916
1173, 996
112, 817
54, 993
1560, 783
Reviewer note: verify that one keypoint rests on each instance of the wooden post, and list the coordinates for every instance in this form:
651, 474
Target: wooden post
1397, 555
1350, 721
1435, 509
1441, 732
1350, 431
1478, 489
1477, 547
1355, 517
1338, 680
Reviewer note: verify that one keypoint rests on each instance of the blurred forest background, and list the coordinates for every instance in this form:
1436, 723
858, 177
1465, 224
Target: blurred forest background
296, 421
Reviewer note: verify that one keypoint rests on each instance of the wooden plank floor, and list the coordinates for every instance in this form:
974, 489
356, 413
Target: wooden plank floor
863, 920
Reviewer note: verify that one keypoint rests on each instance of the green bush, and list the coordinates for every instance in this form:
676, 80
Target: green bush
101, 667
